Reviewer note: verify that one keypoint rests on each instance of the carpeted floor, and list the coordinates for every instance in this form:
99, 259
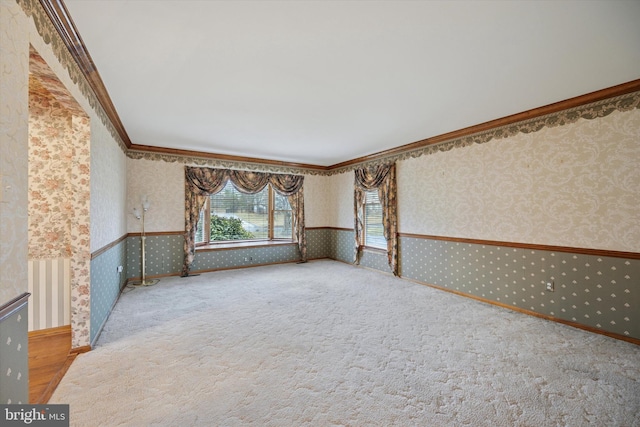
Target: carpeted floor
329, 344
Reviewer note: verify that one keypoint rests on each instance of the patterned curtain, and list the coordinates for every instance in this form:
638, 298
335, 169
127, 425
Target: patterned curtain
291, 186
249, 182
200, 183
382, 178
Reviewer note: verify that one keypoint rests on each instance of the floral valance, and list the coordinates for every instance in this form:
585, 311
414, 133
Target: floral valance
383, 178
201, 183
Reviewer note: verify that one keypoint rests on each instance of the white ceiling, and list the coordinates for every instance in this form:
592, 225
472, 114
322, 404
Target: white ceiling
322, 82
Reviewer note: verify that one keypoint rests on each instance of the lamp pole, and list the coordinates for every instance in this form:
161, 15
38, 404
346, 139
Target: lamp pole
139, 214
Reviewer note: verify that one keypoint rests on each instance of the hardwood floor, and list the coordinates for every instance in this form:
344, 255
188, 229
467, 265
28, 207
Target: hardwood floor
49, 358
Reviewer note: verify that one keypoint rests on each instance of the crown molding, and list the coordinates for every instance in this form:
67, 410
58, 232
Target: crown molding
622, 97
225, 157
548, 112
66, 29
601, 103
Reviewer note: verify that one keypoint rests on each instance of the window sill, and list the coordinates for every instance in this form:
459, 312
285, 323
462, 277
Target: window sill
374, 249
242, 245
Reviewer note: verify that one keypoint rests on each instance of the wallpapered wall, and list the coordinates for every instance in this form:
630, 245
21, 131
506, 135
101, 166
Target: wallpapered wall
341, 200
576, 185
108, 187
52, 179
597, 291
317, 203
59, 196
163, 183
14, 113
14, 363
107, 163
106, 283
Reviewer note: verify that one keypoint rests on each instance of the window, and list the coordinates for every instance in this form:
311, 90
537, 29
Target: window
230, 215
373, 230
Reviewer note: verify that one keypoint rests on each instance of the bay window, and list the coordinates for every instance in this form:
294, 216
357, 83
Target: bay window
231, 215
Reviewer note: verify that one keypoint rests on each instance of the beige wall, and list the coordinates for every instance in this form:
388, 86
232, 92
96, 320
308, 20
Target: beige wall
107, 163
14, 113
575, 185
325, 204
316, 201
163, 183
341, 188
108, 187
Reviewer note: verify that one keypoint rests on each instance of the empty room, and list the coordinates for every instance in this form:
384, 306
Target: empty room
282, 213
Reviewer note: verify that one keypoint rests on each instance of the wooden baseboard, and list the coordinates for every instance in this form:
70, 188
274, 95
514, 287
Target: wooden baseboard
577, 325
79, 350
55, 380
52, 332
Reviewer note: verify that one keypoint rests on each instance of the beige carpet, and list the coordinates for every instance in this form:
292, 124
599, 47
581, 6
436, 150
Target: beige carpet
329, 344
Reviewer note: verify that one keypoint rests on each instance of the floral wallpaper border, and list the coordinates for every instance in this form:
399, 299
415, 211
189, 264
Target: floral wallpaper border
221, 164
44, 26
590, 111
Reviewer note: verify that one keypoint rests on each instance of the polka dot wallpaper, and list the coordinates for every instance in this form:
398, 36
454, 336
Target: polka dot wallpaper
342, 245
164, 255
106, 283
14, 366
601, 292
318, 243
375, 260
212, 260
596, 291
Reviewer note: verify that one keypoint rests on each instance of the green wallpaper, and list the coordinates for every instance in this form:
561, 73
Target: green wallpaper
342, 245
14, 363
601, 292
376, 261
106, 284
164, 255
221, 259
318, 243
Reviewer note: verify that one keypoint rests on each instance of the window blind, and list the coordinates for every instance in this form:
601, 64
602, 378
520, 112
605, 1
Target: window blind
373, 230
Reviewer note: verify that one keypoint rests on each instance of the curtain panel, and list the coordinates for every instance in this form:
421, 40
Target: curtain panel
382, 178
201, 183
291, 186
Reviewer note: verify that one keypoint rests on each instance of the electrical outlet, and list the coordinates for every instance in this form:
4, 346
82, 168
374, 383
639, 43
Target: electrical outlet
550, 286
120, 268
248, 258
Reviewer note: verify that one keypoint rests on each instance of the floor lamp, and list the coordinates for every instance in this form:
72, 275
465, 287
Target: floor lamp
139, 214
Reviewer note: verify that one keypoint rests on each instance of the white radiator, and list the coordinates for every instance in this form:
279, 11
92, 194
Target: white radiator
50, 288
